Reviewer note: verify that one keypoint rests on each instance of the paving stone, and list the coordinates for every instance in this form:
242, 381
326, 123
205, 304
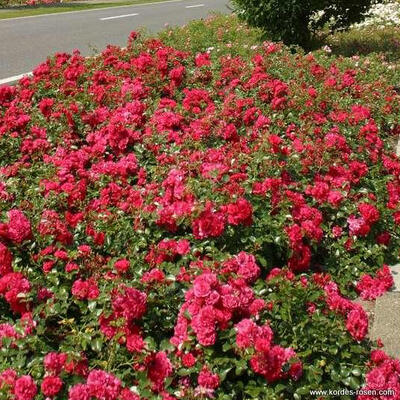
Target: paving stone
386, 324
396, 277
367, 305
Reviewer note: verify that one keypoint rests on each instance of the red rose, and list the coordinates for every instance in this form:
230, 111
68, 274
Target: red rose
208, 224
5, 260
122, 265
207, 379
51, 385
188, 360
25, 388
18, 227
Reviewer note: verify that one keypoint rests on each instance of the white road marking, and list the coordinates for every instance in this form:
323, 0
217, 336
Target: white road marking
118, 16
14, 78
195, 6
94, 9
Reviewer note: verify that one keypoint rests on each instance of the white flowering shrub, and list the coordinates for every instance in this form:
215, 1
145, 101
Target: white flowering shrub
382, 14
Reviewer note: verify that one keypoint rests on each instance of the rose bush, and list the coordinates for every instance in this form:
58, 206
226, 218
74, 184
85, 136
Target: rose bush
182, 225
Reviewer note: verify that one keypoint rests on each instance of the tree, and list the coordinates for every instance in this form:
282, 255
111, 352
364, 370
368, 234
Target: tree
295, 21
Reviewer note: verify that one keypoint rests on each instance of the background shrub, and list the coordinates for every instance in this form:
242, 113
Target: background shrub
294, 21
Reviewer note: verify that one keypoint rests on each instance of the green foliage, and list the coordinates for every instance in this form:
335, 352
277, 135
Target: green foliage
333, 359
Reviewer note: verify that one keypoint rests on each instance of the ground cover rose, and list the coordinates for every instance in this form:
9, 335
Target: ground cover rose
177, 224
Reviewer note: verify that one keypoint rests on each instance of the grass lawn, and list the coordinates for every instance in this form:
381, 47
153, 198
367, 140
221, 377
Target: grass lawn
27, 11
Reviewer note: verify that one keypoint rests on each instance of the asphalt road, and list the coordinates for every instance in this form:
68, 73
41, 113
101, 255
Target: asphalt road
27, 41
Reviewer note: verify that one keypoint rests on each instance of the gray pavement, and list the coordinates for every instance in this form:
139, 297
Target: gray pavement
386, 324
27, 41
395, 269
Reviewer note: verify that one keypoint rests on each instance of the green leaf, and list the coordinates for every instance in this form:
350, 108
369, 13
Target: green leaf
352, 382
96, 345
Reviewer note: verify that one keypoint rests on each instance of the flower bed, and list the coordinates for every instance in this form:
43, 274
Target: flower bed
180, 225
22, 3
